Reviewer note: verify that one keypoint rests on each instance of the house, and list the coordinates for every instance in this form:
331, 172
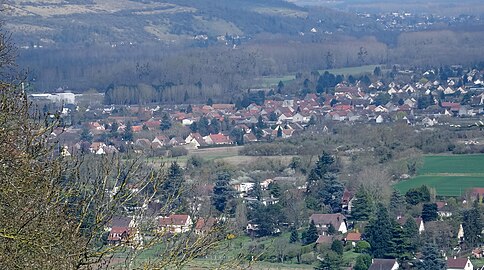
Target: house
459, 264
120, 229
244, 187
353, 238
175, 223
323, 221
345, 200
118, 235
443, 210
97, 148
195, 140
217, 139
384, 264
204, 225
160, 140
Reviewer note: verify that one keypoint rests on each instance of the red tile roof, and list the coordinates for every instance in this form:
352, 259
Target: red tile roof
457, 263
174, 220
352, 236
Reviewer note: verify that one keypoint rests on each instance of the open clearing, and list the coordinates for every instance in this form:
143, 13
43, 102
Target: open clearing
271, 81
451, 175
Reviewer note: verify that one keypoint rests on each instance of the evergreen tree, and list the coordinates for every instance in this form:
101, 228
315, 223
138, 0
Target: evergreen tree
171, 188
415, 196
363, 262
275, 190
472, 225
114, 130
322, 184
222, 192
189, 108
379, 233
397, 204
214, 127
411, 235
362, 206
311, 234
260, 122
203, 126
279, 132
165, 122
280, 87
330, 261
256, 191
209, 102
337, 247
294, 235
431, 259
331, 229
429, 212
128, 132
86, 136
186, 97
194, 127
398, 244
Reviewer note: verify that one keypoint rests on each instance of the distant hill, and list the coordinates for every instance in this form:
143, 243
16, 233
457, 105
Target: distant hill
435, 7
60, 22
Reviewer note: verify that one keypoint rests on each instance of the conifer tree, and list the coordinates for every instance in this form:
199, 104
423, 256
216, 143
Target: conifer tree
379, 233
311, 234
294, 235
431, 259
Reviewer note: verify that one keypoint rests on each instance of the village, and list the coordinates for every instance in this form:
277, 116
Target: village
423, 103
172, 131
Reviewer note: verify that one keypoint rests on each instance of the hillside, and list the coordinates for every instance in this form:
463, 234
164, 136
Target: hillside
58, 22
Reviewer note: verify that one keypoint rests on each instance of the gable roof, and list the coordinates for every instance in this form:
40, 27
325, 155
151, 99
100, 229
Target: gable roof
220, 139
326, 219
353, 236
174, 220
457, 263
382, 264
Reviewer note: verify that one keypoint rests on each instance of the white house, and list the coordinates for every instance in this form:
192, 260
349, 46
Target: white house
323, 221
459, 264
175, 223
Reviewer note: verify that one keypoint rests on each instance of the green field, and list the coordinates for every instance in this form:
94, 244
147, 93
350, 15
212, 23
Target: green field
451, 175
351, 70
271, 81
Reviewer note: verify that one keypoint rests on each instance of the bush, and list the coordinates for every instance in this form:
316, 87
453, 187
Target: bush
178, 152
362, 247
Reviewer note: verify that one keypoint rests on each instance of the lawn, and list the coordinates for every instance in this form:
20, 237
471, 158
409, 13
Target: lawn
351, 70
444, 185
450, 175
272, 81
453, 164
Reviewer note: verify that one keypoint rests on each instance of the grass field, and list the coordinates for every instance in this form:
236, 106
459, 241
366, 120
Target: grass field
450, 175
351, 70
272, 81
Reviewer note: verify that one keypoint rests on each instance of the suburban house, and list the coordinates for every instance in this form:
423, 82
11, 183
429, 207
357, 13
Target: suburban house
195, 140
175, 223
384, 264
323, 221
217, 139
459, 264
443, 210
353, 238
204, 226
120, 229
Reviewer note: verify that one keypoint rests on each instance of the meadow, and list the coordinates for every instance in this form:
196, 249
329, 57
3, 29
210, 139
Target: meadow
450, 175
